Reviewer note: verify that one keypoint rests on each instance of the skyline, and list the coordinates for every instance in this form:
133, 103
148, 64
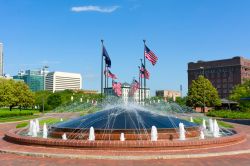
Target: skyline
66, 36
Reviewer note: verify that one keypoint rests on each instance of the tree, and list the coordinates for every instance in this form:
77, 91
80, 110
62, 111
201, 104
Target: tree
41, 98
181, 101
241, 91
15, 93
54, 100
202, 92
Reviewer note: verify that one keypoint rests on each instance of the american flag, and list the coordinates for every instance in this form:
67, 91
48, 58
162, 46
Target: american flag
134, 87
150, 55
117, 87
109, 74
144, 72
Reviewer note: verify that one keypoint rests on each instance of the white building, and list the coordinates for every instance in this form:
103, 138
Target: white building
126, 90
59, 81
1, 60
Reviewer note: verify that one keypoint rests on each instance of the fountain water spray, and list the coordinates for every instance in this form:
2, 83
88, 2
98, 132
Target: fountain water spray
61, 119
64, 136
182, 131
154, 134
122, 137
37, 125
91, 134
202, 136
45, 131
216, 131
30, 127
34, 130
191, 119
211, 125
204, 124
81, 100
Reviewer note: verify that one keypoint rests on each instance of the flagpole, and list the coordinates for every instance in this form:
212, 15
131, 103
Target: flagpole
140, 84
144, 41
102, 71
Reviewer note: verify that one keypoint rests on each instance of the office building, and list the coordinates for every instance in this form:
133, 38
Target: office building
33, 78
223, 74
168, 94
59, 81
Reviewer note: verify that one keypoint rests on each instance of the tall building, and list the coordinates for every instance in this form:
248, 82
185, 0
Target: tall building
1, 59
166, 94
126, 88
59, 81
224, 74
33, 78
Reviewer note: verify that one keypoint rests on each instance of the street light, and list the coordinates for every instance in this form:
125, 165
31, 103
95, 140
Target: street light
44, 82
203, 73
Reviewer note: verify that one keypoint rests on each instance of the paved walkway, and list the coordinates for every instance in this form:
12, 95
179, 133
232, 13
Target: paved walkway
238, 154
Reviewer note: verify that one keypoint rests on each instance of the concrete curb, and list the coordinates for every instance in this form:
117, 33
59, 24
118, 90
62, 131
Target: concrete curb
105, 157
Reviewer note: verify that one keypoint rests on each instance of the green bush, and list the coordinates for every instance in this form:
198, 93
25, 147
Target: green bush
13, 113
229, 114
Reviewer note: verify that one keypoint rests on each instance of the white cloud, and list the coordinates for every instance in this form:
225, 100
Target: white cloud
90, 8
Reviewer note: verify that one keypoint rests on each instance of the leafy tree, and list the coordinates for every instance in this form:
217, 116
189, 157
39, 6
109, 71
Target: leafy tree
41, 98
241, 91
202, 91
54, 100
181, 101
15, 93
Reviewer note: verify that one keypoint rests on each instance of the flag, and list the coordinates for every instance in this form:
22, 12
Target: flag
106, 55
144, 72
134, 87
150, 55
117, 87
109, 74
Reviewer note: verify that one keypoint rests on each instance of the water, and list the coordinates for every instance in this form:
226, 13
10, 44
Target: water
204, 127
154, 134
64, 136
45, 131
91, 134
202, 135
182, 132
216, 129
122, 137
211, 125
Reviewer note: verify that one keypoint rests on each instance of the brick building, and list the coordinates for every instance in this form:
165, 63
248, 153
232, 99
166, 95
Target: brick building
224, 74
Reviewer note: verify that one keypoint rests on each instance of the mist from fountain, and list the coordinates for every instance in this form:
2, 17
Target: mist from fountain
34, 130
64, 136
204, 127
30, 128
37, 125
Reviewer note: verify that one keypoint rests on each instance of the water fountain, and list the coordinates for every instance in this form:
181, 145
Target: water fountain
30, 128
191, 119
202, 135
122, 137
64, 136
91, 134
34, 129
211, 125
154, 134
45, 131
37, 125
204, 124
216, 129
181, 132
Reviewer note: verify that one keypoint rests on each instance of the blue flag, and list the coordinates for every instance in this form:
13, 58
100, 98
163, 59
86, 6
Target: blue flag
106, 55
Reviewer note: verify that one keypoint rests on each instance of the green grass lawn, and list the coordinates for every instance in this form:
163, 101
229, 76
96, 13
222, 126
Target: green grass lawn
229, 114
17, 118
48, 121
220, 123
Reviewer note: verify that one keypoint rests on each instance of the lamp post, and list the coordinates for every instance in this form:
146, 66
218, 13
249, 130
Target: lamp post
44, 82
203, 73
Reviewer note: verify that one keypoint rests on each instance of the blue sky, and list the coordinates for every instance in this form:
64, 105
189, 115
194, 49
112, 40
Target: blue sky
65, 35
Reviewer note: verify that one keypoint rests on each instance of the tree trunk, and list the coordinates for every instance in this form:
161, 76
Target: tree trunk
11, 108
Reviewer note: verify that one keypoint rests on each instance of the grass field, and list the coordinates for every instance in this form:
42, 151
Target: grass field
220, 123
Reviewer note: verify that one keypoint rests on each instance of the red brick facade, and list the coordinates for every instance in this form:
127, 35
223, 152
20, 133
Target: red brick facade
223, 74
